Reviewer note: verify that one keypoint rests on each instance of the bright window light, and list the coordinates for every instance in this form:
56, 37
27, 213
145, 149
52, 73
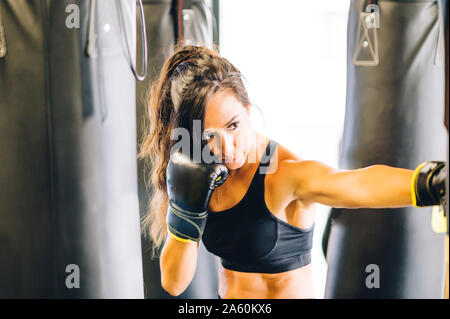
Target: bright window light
293, 55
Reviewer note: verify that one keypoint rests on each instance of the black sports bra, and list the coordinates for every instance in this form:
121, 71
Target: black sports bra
249, 238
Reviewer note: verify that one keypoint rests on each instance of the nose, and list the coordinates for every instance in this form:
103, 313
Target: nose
228, 147
223, 145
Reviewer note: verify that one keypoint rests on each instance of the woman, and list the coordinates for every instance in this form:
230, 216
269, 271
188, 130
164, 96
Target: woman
260, 220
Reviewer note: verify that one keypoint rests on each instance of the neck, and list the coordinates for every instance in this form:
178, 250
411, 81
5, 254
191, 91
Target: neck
253, 157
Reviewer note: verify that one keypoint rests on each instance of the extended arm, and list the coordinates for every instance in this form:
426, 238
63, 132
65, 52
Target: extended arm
376, 186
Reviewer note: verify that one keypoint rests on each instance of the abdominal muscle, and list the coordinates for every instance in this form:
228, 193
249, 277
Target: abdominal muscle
292, 284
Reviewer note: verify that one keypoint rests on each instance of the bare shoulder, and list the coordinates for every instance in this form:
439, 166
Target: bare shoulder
285, 174
282, 166
287, 155
284, 162
289, 170
291, 163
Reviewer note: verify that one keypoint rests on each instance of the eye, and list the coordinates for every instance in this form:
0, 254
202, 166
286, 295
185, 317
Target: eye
233, 126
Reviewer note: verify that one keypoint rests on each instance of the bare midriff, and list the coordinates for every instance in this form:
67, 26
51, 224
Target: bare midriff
292, 284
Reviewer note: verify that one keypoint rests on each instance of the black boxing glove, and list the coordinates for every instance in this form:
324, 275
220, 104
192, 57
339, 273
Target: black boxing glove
189, 187
428, 184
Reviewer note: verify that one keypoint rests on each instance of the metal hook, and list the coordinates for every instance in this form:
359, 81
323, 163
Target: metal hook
140, 77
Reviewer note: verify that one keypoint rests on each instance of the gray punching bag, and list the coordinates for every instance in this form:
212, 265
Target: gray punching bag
69, 215
163, 27
394, 116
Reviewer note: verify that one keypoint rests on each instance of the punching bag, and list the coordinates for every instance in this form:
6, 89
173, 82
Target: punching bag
69, 215
394, 116
169, 21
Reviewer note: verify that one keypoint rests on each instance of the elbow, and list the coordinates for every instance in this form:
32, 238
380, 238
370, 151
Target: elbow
172, 288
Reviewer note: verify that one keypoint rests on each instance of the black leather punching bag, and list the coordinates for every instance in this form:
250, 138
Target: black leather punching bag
69, 215
164, 28
394, 116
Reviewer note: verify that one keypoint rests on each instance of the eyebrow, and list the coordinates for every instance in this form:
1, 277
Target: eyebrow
231, 120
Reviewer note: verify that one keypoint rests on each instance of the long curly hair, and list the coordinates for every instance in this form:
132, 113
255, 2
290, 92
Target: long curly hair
190, 76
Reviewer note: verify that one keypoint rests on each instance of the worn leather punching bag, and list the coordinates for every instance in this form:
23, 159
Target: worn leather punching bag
69, 215
394, 116
169, 21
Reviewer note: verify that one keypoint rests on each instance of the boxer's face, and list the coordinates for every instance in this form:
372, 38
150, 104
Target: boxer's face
227, 129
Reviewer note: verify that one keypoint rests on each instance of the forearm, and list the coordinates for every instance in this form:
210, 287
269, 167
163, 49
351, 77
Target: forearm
376, 186
189, 187
178, 263
385, 187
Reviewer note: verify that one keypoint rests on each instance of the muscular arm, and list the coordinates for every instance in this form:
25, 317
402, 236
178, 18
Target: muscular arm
376, 186
177, 263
